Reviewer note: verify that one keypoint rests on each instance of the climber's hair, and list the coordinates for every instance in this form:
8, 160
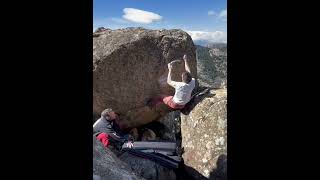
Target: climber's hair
186, 77
105, 113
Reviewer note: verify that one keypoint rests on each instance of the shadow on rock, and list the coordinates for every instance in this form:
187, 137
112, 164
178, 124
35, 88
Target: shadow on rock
196, 98
188, 173
220, 173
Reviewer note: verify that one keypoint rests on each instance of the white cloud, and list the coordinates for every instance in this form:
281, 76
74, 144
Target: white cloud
223, 14
211, 13
213, 37
140, 16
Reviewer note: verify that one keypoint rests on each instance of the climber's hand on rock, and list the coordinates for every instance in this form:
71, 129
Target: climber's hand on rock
185, 57
169, 66
129, 144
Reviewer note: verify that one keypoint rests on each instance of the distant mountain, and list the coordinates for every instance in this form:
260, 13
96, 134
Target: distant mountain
212, 65
206, 43
216, 45
203, 43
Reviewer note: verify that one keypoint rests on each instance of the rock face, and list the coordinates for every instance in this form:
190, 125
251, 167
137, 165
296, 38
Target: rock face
107, 166
130, 65
204, 137
171, 123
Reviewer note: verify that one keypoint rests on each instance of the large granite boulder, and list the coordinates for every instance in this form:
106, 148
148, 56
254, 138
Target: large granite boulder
204, 137
130, 66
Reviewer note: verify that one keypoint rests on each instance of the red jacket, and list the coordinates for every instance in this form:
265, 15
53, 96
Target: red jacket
104, 138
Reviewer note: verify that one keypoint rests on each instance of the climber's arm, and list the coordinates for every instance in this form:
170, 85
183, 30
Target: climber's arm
169, 79
186, 65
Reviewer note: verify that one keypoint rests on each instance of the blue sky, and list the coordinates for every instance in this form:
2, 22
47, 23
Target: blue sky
202, 19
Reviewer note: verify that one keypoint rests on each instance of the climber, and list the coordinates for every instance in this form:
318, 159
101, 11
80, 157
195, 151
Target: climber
183, 89
107, 130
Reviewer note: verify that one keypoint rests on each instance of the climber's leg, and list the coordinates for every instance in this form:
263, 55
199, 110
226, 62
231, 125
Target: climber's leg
169, 102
